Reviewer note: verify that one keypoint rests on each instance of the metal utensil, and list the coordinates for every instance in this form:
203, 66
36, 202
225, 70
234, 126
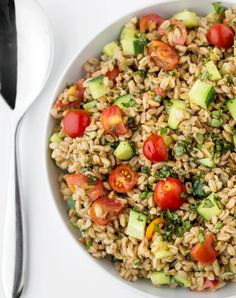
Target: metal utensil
34, 58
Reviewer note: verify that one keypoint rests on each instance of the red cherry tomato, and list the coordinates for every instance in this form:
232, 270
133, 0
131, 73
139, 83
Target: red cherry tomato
204, 252
104, 210
80, 95
112, 120
94, 190
168, 194
163, 55
155, 149
210, 284
221, 36
75, 123
122, 179
175, 30
113, 74
150, 22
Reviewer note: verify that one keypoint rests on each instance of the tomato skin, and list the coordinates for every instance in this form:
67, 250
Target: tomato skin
150, 22
75, 122
163, 54
112, 120
113, 74
205, 253
160, 91
63, 106
109, 208
93, 191
173, 38
210, 284
167, 194
155, 149
221, 36
122, 179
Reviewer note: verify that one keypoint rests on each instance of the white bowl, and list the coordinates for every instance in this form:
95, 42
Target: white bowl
73, 72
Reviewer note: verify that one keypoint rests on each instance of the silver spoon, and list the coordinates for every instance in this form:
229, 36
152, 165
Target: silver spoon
35, 56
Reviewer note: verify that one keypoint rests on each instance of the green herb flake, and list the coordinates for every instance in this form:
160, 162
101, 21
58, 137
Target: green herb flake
164, 131
165, 172
131, 122
137, 262
142, 73
193, 208
187, 225
230, 79
200, 138
139, 218
157, 229
218, 225
92, 179
218, 8
70, 203
145, 170
201, 237
145, 195
85, 169
198, 186
89, 243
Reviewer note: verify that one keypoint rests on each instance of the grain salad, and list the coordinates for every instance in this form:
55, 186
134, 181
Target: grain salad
146, 146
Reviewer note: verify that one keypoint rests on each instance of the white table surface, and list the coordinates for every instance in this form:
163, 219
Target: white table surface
53, 270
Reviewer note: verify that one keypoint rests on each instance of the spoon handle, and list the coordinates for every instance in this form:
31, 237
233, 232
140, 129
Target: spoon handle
13, 244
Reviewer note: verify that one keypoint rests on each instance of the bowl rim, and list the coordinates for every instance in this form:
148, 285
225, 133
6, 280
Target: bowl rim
46, 166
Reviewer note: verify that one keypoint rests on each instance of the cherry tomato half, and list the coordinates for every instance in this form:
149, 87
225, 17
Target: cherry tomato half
93, 189
163, 55
105, 210
221, 36
122, 179
113, 74
204, 252
75, 122
175, 30
168, 194
78, 91
155, 149
150, 22
112, 120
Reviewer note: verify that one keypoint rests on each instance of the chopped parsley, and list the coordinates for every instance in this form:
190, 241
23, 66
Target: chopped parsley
201, 237
145, 170
145, 195
174, 225
221, 145
142, 73
165, 172
137, 262
113, 145
193, 208
218, 8
164, 131
218, 225
131, 122
85, 169
179, 150
70, 203
92, 179
89, 244
198, 186
131, 103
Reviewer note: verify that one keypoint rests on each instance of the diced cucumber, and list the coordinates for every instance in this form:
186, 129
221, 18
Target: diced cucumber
159, 278
207, 162
128, 33
124, 151
90, 105
55, 138
167, 104
160, 250
110, 48
234, 138
189, 18
214, 74
136, 225
232, 265
231, 105
209, 207
216, 122
131, 42
202, 94
123, 101
176, 114
182, 281
97, 87
200, 138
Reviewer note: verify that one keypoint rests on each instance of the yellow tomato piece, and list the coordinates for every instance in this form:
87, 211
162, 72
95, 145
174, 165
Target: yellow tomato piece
151, 227
72, 90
